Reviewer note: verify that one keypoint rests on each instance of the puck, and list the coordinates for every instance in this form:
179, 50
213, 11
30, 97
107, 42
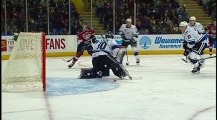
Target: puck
127, 63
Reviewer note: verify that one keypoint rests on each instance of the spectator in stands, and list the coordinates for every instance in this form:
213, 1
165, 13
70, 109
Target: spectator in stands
175, 29
32, 26
205, 4
145, 22
175, 5
20, 23
99, 5
138, 24
213, 8
200, 2
146, 31
183, 13
154, 27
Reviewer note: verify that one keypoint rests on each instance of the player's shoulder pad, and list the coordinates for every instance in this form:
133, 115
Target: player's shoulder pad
198, 24
123, 25
187, 30
133, 26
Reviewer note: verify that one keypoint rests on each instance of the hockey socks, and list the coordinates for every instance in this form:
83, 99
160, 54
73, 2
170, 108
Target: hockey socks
136, 54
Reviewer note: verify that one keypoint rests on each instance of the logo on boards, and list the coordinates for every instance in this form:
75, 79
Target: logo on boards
145, 42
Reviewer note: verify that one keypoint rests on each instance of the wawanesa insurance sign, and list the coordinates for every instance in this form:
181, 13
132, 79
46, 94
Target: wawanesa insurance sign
160, 42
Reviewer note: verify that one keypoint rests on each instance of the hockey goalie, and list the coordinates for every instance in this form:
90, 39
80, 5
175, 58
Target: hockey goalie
104, 59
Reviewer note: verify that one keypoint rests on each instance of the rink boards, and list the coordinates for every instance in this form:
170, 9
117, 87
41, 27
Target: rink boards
66, 45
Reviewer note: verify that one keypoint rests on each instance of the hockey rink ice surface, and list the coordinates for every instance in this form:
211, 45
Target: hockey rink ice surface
163, 88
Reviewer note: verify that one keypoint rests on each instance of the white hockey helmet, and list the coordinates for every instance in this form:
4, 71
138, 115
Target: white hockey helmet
192, 18
129, 20
183, 23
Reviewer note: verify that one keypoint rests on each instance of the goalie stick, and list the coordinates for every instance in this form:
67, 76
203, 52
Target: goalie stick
127, 73
198, 59
122, 79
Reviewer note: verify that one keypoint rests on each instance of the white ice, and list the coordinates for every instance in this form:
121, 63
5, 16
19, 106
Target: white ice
167, 91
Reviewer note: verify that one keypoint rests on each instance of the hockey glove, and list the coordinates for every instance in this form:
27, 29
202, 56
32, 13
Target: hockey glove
186, 52
185, 46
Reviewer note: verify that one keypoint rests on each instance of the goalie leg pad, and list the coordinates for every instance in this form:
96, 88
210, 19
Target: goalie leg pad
121, 55
118, 71
90, 73
106, 72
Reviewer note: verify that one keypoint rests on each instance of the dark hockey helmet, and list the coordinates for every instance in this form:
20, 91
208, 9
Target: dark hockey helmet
84, 22
109, 35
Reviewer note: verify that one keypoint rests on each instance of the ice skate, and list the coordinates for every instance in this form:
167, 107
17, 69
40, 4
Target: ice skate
70, 65
196, 69
137, 61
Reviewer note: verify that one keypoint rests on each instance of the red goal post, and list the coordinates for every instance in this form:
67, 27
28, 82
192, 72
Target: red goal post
26, 68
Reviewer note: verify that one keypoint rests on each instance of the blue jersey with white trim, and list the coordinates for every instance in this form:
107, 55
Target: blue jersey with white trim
192, 36
103, 47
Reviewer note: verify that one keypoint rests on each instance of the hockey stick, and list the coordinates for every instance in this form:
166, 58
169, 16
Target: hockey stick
103, 37
134, 78
198, 59
65, 60
207, 57
185, 60
121, 65
127, 73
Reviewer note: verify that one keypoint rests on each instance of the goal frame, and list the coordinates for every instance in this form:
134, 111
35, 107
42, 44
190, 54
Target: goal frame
21, 71
44, 61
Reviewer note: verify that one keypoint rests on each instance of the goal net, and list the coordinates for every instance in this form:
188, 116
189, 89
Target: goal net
25, 70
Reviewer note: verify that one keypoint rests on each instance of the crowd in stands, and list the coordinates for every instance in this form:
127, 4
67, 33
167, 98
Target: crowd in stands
209, 6
152, 16
38, 16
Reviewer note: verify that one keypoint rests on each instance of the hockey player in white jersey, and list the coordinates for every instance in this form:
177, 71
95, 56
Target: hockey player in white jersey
103, 59
196, 25
195, 43
129, 35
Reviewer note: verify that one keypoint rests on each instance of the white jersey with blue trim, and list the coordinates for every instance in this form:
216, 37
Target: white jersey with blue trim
198, 27
103, 47
129, 32
192, 36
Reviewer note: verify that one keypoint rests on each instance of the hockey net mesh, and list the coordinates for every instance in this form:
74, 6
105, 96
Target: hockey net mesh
24, 70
